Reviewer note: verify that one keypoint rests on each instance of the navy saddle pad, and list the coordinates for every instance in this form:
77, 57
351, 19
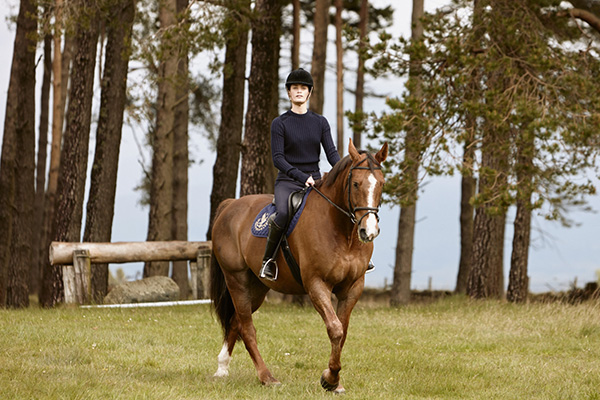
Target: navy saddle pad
260, 226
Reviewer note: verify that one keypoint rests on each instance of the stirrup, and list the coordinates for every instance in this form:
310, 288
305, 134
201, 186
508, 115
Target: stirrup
370, 267
266, 271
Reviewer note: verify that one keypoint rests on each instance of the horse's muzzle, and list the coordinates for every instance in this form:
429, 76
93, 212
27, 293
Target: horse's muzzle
367, 237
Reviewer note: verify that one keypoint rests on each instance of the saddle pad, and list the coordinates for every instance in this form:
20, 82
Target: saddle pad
260, 226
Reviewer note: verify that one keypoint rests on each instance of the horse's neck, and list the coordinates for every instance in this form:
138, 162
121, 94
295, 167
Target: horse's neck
335, 218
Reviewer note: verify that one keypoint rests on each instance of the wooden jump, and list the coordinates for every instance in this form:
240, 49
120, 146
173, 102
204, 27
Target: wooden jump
78, 257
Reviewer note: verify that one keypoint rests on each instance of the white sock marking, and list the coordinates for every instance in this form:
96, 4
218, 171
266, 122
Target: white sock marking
223, 359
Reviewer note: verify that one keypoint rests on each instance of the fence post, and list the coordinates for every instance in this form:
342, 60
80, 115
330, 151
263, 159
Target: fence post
194, 275
82, 266
200, 283
68, 273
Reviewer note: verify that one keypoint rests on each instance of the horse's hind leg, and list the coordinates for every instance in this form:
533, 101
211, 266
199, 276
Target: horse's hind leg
224, 357
247, 294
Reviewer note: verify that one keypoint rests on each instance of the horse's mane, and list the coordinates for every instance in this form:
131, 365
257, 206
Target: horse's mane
329, 178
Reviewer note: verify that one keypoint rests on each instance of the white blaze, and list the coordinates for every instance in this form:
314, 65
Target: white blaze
224, 358
371, 222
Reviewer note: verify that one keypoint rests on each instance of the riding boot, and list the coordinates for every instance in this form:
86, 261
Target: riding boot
370, 267
269, 268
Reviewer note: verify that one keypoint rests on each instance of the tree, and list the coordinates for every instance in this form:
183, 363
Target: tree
101, 199
319, 55
73, 167
229, 142
40, 174
358, 126
339, 75
256, 149
413, 149
17, 164
181, 157
160, 219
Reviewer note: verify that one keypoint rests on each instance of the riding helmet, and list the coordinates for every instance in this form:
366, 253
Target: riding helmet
299, 77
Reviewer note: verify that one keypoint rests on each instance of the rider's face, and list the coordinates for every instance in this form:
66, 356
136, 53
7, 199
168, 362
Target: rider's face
298, 93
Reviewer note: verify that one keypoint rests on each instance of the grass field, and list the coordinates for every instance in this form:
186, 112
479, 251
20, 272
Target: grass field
452, 349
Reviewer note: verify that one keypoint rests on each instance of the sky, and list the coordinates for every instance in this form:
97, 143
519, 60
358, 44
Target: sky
558, 256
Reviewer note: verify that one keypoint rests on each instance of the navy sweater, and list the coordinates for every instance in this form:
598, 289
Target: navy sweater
296, 141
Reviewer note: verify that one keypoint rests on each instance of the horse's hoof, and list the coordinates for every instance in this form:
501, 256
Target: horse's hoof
328, 386
339, 390
270, 381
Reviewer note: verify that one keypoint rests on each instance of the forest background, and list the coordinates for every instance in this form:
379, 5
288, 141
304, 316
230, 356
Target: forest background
558, 255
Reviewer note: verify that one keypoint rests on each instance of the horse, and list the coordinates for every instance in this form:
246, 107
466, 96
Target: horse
332, 243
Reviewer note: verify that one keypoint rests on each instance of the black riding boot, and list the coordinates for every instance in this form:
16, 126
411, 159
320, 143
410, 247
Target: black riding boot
269, 266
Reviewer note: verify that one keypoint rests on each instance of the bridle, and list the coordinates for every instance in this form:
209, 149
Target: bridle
351, 212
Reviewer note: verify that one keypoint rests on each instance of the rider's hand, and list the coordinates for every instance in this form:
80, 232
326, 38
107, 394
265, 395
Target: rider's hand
310, 181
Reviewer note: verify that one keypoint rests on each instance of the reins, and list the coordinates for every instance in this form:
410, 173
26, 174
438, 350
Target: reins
351, 212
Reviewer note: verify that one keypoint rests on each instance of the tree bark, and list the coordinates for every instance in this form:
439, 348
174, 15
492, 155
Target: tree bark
358, 126
103, 185
73, 167
229, 142
468, 185
319, 56
256, 147
296, 35
161, 181
518, 284
40, 176
339, 6
17, 165
181, 156
412, 158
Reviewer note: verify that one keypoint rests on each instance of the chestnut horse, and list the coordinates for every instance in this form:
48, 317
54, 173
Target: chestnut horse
332, 243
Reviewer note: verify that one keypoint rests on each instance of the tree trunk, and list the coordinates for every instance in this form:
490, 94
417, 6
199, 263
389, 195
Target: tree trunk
161, 181
412, 158
468, 185
103, 186
296, 35
358, 126
319, 56
518, 283
256, 148
40, 176
488, 229
17, 165
181, 157
339, 6
73, 166
229, 142
60, 78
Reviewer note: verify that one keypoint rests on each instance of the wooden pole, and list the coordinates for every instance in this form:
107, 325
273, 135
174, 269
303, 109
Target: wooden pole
61, 253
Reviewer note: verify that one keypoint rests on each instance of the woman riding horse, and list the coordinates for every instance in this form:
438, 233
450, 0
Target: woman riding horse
332, 243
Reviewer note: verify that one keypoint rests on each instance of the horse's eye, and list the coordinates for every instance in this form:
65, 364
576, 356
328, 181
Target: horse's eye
355, 184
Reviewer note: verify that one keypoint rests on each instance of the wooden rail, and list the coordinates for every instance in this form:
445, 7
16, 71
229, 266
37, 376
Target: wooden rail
77, 258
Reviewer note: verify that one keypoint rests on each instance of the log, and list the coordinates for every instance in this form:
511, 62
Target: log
61, 253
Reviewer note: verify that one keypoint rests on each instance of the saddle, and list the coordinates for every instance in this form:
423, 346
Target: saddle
260, 227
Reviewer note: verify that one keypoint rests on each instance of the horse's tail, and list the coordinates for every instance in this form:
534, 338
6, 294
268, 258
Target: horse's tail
219, 293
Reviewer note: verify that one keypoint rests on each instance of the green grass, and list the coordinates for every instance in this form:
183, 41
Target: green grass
451, 349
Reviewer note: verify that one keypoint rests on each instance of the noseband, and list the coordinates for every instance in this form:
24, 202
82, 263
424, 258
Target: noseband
351, 212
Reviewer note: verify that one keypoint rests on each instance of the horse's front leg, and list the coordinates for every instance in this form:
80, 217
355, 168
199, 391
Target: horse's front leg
346, 303
320, 296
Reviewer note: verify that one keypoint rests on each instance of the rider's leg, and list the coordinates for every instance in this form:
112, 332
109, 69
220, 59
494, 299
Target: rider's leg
269, 266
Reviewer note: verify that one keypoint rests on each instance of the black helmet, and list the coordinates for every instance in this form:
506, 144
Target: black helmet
299, 77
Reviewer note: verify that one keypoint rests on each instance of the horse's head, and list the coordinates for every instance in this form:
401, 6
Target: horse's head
365, 184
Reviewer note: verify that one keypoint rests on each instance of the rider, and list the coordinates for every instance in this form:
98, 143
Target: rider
296, 139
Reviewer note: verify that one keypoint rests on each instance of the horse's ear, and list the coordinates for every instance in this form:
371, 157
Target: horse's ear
382, 153
352, 151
